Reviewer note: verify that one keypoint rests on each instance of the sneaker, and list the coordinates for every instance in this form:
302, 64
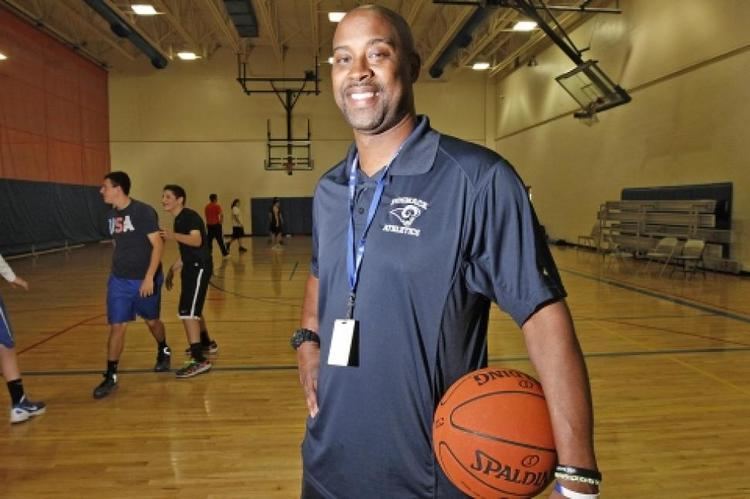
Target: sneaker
193, 368
26, 409
242, 249
163, 361
211, 349
106, 387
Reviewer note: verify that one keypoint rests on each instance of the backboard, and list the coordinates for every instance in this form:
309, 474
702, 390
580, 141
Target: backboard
592, 89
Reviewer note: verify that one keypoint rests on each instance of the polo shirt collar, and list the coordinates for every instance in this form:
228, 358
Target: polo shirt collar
417, 153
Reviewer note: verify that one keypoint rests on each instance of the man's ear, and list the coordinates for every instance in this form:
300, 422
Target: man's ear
415, 64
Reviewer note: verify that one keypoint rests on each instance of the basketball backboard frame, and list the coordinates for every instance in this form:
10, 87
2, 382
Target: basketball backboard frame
592, 89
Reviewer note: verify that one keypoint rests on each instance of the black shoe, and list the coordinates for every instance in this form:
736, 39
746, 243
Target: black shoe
163, 361
106, 387
242, 249
208, 349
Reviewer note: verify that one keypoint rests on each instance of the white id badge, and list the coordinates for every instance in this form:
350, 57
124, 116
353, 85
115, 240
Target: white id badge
342, 342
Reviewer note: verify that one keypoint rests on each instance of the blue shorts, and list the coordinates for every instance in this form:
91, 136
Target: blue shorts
124, 302
6, 333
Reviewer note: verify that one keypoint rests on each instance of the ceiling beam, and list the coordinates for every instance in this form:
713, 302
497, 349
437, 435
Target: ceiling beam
537, 37
122, 15
454, 28
104, 35
265, 10
221, 20
41, 18
416, 7
177, 24
495, 28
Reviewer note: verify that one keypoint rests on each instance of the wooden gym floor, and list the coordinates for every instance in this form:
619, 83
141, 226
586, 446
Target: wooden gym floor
669, 360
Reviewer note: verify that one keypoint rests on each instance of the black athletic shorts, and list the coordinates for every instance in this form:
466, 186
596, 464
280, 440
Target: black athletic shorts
238, 232
195, 279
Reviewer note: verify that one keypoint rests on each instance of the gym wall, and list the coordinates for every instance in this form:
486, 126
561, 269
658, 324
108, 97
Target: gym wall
192, 124
54, 141
685, 63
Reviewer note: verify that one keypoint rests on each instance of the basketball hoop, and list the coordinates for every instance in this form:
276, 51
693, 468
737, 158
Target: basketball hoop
588, 116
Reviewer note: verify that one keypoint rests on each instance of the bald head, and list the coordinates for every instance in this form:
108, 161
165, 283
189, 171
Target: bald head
399, 24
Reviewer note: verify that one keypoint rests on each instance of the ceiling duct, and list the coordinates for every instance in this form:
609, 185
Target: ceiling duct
123, 29
460, 41
243, 17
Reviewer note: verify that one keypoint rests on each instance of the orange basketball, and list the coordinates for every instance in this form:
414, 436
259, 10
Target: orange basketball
492, 435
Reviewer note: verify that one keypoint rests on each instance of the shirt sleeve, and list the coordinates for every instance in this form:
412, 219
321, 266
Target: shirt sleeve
191, 222
509, 260
150, 220
314, 258
6, 271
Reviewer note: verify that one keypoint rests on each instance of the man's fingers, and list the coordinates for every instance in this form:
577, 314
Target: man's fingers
312, 403
310, 388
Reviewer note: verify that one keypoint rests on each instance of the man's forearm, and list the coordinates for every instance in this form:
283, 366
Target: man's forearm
557, 357
157, 248
192, 240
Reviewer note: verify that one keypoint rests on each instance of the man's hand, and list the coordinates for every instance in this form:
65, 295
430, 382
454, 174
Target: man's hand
147, 287
166, 234
20, 283
308, 365
169, 280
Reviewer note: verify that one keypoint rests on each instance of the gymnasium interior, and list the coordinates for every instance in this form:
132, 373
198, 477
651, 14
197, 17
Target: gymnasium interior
627, 121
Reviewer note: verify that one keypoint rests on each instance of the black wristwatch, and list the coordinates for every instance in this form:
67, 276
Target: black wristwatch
301, 336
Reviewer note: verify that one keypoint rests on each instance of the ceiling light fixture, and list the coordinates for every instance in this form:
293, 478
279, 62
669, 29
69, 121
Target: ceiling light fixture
3, 56
143, 9
336, 17
480, 66
524, 26
188, 56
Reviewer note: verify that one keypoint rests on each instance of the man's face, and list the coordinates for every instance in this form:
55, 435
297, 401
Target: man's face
109, 192
371, 73
169, 201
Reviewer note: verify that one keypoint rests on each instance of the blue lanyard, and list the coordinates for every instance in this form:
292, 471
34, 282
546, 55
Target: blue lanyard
354, 255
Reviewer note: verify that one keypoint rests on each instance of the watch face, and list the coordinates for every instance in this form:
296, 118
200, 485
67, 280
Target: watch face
302, 335
296, 340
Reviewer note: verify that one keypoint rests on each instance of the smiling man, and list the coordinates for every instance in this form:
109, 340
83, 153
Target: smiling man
415, 235
195, 266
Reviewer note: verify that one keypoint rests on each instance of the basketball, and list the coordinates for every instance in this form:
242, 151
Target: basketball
492, 435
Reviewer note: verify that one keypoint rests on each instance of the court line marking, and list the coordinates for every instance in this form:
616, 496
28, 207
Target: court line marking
63, 331
297, 303
293, 367
582, 318
685, 364
704, 307
676, 332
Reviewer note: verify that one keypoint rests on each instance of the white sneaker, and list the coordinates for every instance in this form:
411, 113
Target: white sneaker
26, 409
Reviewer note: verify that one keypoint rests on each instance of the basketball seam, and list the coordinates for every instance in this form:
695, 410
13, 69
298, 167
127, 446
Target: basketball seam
493, 437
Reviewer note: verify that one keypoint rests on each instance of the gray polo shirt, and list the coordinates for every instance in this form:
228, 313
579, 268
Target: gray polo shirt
454, 232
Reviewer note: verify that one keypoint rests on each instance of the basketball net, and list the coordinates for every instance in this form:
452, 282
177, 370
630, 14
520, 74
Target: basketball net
590, 119
289, 166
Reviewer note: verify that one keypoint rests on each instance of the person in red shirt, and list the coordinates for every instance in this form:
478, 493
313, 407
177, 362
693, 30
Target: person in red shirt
214, 219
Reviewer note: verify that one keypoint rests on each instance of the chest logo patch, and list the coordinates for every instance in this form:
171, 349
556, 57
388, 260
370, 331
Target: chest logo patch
405, 211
